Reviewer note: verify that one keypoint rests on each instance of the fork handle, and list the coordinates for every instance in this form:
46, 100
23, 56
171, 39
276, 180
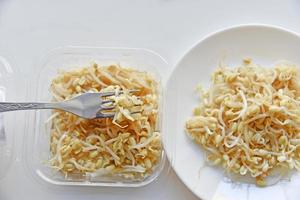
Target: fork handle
8, 106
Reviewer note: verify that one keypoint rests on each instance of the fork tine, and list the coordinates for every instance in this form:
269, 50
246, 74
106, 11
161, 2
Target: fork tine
108, 94
110, 115
107, 101
105, 115
107, 108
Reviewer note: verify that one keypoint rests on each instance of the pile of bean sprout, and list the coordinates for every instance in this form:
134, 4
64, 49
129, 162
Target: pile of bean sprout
249, 119
128, 144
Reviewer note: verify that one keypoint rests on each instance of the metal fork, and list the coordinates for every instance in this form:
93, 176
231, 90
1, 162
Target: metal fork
86, 105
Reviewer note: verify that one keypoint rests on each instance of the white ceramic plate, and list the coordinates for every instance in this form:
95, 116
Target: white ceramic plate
266, 45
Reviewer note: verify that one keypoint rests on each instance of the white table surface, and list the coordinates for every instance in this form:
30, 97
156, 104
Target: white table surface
29, 29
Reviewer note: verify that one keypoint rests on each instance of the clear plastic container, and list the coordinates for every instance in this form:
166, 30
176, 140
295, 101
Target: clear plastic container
37, 148
8, 90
